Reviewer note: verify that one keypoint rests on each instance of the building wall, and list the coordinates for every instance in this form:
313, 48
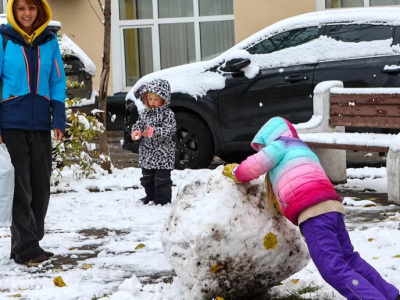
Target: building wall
81, 22
254, 15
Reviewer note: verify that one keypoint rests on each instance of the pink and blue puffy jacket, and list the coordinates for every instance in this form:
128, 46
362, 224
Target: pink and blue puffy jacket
297, 177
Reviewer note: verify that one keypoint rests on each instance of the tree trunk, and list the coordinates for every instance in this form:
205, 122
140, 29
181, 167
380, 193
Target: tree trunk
105, 73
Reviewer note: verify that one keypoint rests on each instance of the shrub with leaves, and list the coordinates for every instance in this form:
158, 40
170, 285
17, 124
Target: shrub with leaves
77, 147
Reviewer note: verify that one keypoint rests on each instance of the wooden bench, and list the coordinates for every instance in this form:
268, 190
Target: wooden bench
336, 108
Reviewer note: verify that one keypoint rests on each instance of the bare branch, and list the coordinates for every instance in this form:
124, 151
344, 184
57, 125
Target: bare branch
95, 11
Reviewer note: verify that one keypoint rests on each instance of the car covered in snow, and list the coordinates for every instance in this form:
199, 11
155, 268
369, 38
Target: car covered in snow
221, 103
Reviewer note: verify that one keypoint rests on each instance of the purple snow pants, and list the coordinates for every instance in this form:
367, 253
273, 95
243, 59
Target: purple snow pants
333, 254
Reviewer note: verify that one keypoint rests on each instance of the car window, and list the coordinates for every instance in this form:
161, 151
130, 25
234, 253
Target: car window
360, 32
284, 40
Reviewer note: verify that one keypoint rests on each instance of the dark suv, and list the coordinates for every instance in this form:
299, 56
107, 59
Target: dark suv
220, 104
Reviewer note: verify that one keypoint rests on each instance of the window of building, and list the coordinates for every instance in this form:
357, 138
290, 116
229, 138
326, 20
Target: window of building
213, 42
214, 8
138, 60
343, 3
135, 9
175, 8
177, 45
150, 35
326, 4
384, 2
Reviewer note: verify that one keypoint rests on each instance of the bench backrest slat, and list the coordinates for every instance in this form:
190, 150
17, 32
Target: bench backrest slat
365, 110
362, 121
384, 99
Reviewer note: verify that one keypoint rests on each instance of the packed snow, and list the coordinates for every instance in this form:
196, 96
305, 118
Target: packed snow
108, 245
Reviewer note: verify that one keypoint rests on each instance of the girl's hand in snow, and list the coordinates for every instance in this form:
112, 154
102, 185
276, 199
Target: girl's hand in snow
229, 171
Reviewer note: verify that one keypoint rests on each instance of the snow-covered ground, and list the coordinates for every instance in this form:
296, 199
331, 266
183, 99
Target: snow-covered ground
100, 224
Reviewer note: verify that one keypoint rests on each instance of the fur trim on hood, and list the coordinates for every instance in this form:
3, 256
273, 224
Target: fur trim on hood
160, 87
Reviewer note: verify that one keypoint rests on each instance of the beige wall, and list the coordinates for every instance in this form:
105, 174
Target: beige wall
81, 23
254, 15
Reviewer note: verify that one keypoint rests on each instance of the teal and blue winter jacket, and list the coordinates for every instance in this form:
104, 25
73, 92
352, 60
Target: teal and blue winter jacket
33, 81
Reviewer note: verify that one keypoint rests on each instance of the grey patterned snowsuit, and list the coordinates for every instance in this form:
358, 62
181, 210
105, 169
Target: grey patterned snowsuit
157, 153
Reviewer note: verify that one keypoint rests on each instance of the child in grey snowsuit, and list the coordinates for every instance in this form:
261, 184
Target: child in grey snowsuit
156, 126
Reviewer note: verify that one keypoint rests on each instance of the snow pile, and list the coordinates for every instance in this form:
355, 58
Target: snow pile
68, 47
221, 240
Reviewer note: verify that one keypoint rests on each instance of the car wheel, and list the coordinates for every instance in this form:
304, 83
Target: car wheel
194, 142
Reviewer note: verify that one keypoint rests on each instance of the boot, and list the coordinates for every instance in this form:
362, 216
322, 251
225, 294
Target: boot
162, 203
48, 254
146, 200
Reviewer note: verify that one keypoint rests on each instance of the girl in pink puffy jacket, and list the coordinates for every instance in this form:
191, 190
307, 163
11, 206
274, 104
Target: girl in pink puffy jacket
304, 195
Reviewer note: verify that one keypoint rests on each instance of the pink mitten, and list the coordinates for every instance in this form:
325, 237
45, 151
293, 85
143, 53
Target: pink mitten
150, 131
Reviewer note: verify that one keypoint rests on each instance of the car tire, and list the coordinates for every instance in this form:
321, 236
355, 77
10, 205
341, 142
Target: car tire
194, 142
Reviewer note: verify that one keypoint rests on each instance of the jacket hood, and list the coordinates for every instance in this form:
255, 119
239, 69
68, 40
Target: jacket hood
160, 87
11, 20
274, 128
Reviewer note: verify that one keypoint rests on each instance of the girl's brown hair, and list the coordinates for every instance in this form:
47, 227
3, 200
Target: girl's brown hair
271, 198
42, 16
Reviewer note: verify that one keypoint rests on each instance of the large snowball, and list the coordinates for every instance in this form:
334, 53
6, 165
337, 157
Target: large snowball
221, 240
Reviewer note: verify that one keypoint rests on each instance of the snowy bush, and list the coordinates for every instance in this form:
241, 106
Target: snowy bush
77, 147
221, 240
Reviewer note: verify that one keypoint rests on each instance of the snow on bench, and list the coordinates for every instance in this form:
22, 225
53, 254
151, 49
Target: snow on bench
335, 108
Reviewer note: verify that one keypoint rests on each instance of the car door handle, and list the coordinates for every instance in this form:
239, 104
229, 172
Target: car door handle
394, 70
296, 78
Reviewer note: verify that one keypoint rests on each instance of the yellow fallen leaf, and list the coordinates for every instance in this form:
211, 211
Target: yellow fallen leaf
375, 257
270, 241
370, 239
58, 281
295, 281
15, 296
86, 266
219, 298
215, 268
397, 256
140, 246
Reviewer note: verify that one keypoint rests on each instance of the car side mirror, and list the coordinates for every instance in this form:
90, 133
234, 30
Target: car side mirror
236, 64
